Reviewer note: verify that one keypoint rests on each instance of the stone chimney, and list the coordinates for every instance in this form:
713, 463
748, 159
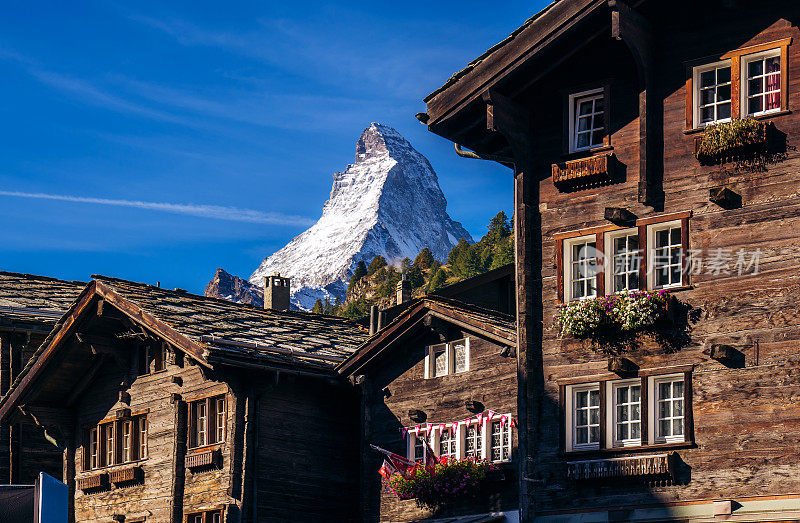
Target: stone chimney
276, 293
403, 291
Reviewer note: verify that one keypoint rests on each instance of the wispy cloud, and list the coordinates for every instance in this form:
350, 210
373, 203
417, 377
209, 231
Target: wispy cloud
218, 212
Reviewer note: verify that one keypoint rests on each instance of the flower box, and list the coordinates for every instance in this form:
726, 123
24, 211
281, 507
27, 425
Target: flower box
659, 466
583, 171
734, 141
125, 475
205, 459
444, 483
95, 481
628, 311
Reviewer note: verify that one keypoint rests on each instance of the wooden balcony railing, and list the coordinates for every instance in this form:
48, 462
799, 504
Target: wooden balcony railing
660, 466
125, 475
583, 171
94, 481
208, 458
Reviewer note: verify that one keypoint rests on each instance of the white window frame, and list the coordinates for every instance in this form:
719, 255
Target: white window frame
745, 82
653, 400
611, 414
696, 72
610, 262
569, 421
412, 443
651, 253
434, 438
504, 429
592, 94
567, 266
450, 358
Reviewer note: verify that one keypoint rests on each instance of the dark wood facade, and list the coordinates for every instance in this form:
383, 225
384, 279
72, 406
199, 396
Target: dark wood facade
30, 306
397, 377
173, 407
741, 421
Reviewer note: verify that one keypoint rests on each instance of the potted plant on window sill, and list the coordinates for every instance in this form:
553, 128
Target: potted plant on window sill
626, 312
734, 141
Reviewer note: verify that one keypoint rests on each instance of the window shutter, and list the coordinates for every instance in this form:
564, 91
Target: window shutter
427, 371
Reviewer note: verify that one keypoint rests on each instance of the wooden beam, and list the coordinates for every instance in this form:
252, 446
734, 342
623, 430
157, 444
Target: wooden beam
86, 379
635, 31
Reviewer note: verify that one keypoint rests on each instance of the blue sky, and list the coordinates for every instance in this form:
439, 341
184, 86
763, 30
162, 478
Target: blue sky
157, 141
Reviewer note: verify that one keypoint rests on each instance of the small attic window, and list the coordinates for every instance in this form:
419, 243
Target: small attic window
447, 358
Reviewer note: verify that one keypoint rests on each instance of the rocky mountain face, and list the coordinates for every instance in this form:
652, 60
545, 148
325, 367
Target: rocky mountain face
387, 202
233, 288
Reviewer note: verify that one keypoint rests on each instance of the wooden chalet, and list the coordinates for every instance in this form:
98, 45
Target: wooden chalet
29, 308
442, 371
173, 407
653, 147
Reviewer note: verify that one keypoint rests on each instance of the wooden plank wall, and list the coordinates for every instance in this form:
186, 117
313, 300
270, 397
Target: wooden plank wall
306, 464
747, 420
397, 384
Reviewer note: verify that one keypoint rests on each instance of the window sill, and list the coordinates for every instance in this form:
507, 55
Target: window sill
571, 454
767, 116
587, 153
204, 448
111, 468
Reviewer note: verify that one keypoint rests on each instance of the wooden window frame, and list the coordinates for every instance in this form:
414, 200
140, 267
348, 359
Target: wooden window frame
450, 358
206, 515
568, 97
745, 61
210, 403
611, 413
648, 378
152, 358
569, 427
609, 253
738, 79
563, 239
566, 266
95, 443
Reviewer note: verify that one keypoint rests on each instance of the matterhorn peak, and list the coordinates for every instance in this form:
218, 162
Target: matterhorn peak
388, 203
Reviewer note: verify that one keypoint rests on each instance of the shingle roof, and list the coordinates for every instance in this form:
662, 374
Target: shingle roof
228, 329
496, 325
30, 298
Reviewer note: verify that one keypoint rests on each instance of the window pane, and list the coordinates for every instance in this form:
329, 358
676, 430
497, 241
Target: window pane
636, 431
595, 434
582, 436
598, 105
636, 392
677, 427
581, 417
723, 111
622, 431
664, 390
706, 96
585, 107
583, 123
635, 415
754, 105
599, 121
595, 398
754, 86
707, 114
755, 68
723, 75
663, 409
622, 413
594, 416
707, 78
461, 356
662, 238
597, 137
440, 362
773, 64
664, 427
622, 395
583, 140
677, 408
724, 93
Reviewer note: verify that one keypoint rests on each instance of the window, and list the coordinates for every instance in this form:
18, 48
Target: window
587, 128
207, 421
500, 441
152, 358
447, 444
580, 268
666, 255
614, 413
586, 417
749, 81
624, 257
473, 441
669, 412
627, 422
447, 358
713, 93
762, 74
420, 449
651, 255
208, 516
115, 442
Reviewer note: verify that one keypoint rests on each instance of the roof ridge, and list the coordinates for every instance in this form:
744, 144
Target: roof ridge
40, 277
261, 310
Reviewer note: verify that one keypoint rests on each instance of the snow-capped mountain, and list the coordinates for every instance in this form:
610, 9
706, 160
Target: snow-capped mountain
388, 202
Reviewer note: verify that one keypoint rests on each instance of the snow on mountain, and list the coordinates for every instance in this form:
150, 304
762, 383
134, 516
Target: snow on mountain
388, 202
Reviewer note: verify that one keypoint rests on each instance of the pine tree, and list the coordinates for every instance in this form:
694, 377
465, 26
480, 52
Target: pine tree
317, 308
424, 259
438, 280
360, 272
378, 262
